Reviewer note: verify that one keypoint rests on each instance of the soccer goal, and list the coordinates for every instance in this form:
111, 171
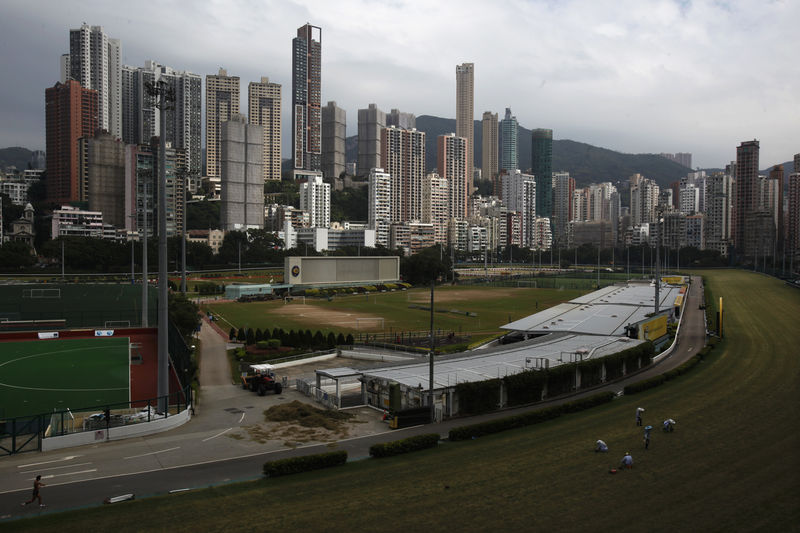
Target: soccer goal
41, 293
369, 320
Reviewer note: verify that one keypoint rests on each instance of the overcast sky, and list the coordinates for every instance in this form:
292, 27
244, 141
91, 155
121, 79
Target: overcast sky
630, 75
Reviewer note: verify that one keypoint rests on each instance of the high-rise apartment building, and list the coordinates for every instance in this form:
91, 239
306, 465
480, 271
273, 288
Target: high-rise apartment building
489, 126
95, 61
508, 142
241, 159
264, 109
403, 157
793, 218
542, 168
105, 159
307, 98
644, 199
717, 217
404, 121
435, 198
334, 133
775, 201
141, 119
465, 114
747, 197
371, 122
452, 165
315, 198
518, 192
222, 103
563, 187
380, 216
71, 112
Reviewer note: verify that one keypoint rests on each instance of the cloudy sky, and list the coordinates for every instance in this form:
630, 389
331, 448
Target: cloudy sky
629, 75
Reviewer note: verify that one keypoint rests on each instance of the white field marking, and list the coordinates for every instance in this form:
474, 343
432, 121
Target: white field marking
59, 390
690, 348
151, 453
173, 491
201, 463
53, 468
51, 476
220, 433
67, 458
242, 418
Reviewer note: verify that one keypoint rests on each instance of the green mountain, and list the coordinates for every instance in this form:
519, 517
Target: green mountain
15, 157
584, 162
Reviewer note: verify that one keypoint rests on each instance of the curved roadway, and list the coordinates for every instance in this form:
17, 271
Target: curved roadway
199, 455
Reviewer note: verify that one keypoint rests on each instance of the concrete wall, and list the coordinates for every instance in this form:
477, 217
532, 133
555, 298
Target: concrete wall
332, 270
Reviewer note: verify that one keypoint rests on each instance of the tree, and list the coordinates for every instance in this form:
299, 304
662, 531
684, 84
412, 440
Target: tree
184, 314
16, 255
202, 215
319, 339
349, 340
331, 340
340, 339
425, 266
241, 336
232, 334
251, 336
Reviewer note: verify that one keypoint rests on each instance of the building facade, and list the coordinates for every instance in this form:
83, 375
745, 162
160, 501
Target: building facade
435, 210
334, 133
747, 200
465, 114
315, 197
105, 188
222, 103
400, 120
307, 98
508, 142
380, 207
371, 121
489, 167
264, 109
403, 157
542, 168
452, 165
242, 198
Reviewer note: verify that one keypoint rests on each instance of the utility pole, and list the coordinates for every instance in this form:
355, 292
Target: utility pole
658, 247
144, 252
62, 258
166, 95
430, 359
183, 176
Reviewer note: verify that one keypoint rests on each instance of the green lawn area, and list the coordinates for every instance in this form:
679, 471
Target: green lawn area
731, 465
493, 307
39, 377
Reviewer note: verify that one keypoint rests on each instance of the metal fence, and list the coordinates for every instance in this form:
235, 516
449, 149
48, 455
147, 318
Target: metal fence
25, 434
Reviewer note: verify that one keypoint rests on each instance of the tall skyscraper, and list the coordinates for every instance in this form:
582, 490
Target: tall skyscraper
105, 158
452, 165
371, 122
71, 112
747, 195
95, 61
307, 98
508, 142
404, 121
519, 194
403, 158
222, 103
264, 109
465, 115
775, 201
644, 199
242, 198
334, 133
315, 198
542, 168
380, 216
563, 188
717, 217
141, 119
435, 198
489, 166
793, 218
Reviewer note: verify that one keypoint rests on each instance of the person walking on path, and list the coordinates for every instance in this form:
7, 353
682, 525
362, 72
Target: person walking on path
647, 436
37, 485
627, 461
639, 412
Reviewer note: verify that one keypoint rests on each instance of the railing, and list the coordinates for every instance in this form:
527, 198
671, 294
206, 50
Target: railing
24, 434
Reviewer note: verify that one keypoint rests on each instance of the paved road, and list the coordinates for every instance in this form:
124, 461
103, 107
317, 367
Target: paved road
199, 454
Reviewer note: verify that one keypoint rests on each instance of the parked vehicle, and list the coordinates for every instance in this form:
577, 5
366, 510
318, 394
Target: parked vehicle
261, 378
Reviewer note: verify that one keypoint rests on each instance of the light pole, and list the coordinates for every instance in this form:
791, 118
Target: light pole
430, 358
144, 250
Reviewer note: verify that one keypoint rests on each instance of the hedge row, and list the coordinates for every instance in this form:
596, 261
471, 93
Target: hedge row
528, 419
411, 444
305, 463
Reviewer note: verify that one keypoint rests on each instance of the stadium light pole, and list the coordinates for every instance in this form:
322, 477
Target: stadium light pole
165, 95
658, 247
430, 359
144, 251
62, 259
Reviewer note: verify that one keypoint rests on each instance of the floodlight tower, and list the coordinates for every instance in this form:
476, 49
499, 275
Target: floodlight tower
166, 96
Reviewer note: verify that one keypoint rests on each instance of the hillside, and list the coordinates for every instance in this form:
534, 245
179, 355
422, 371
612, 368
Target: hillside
15, 157
584, 162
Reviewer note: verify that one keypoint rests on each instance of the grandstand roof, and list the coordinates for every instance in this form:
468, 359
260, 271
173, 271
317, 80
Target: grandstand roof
603, 312
502, 361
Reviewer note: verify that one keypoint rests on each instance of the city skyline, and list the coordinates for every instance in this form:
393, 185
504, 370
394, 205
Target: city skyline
641, 78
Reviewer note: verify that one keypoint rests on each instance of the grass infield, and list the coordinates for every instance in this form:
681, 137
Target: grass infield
491, 306
731, 464
42, 376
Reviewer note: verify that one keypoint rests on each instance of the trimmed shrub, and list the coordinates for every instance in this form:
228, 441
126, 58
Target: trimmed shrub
529, 418
340, 339
232, 334
524, 387
478, 396
273, 343
251, 336
331, 340
411, 444
262, 345
241, 336
305, 463
349, 339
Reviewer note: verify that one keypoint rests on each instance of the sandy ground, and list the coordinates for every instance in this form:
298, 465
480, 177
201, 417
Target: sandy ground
464, 295
329, 317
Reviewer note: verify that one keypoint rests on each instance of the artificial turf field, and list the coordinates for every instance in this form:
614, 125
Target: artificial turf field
731, 465
491, 307
55, 374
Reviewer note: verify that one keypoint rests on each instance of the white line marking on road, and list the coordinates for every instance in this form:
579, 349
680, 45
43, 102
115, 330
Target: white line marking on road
53, 468
690, 348
51, 476
67, 458
240, 420
218, 434
151, 453
173, 491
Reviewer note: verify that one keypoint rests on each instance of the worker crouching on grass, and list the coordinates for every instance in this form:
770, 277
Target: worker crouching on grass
669, 425
601, 446
627, 461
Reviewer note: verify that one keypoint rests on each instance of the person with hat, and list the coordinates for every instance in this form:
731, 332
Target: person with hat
669, 425
647, 436
627, 461
639, 412
601, 446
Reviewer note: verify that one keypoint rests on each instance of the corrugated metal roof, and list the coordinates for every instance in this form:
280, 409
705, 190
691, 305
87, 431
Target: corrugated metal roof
501, 361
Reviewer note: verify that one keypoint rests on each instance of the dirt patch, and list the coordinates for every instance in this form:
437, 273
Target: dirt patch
307, 416
328, 317
464, 295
